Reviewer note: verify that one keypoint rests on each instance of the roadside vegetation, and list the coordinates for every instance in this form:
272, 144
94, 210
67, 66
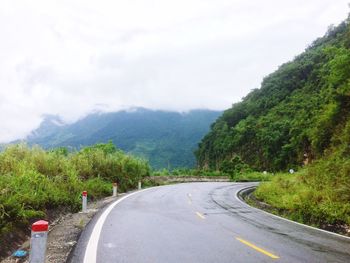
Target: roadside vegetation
34, 182
318, 194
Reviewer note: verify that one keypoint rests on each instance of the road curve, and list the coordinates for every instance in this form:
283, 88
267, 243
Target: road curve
200, 222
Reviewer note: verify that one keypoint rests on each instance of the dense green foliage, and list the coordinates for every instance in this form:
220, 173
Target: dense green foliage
34, 181
293, 117
301, 115
165, 139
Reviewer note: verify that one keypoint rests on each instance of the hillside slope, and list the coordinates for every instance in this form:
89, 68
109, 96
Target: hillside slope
166, 139
298, 113
300, 118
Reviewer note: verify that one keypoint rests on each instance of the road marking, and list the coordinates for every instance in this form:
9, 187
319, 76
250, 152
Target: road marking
257, 248
189, 196
200, 215
91, 248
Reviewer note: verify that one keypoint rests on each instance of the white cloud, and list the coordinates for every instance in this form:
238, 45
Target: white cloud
71, 57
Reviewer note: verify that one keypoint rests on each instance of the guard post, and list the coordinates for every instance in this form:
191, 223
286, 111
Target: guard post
115, 189
139, 185
84, 205
38, 242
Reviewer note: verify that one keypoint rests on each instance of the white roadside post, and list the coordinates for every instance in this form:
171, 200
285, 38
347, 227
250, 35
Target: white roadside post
139, 185
38, 242
115, 189
84, 201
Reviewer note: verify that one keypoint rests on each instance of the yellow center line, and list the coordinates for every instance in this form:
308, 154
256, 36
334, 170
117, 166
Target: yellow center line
257, 248
200, 215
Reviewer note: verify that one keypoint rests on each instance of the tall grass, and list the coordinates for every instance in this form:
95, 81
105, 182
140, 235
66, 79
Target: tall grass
34, 181
317, 195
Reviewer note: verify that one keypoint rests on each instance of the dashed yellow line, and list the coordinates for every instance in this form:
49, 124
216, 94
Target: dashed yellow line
257, 248
200, 215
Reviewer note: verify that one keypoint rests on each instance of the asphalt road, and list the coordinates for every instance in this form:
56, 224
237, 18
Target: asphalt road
201, 222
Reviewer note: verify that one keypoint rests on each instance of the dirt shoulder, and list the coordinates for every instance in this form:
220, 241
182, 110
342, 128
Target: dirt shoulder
64, 233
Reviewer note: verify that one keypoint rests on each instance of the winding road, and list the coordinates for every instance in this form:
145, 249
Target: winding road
200, 222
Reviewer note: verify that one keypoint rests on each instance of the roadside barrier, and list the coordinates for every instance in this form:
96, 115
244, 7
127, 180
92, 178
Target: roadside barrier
84, 205
115, 189
38, 242
139, 185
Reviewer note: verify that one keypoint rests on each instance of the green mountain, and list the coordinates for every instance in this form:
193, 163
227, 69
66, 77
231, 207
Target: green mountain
167, 139
301, 112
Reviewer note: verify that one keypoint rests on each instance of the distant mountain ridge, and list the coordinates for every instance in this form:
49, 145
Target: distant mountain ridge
167, 139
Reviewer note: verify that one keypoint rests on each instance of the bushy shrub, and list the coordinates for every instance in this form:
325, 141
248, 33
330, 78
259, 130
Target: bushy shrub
33, 181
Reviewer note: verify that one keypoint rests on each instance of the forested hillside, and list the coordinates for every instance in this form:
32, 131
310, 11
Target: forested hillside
301, 111
167, 139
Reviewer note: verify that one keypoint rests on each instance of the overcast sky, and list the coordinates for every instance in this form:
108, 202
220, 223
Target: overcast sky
69, 58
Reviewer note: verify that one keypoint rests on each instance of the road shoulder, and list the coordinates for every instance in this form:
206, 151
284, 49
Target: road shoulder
247, 196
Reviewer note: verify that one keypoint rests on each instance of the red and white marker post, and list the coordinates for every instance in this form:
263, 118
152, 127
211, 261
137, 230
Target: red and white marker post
84, 205
115, 189
38, 242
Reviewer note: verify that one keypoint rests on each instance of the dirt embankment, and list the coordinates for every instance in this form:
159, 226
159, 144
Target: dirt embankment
63, 234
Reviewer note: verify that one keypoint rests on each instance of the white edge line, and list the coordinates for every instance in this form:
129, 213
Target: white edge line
285, 219
91, 248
